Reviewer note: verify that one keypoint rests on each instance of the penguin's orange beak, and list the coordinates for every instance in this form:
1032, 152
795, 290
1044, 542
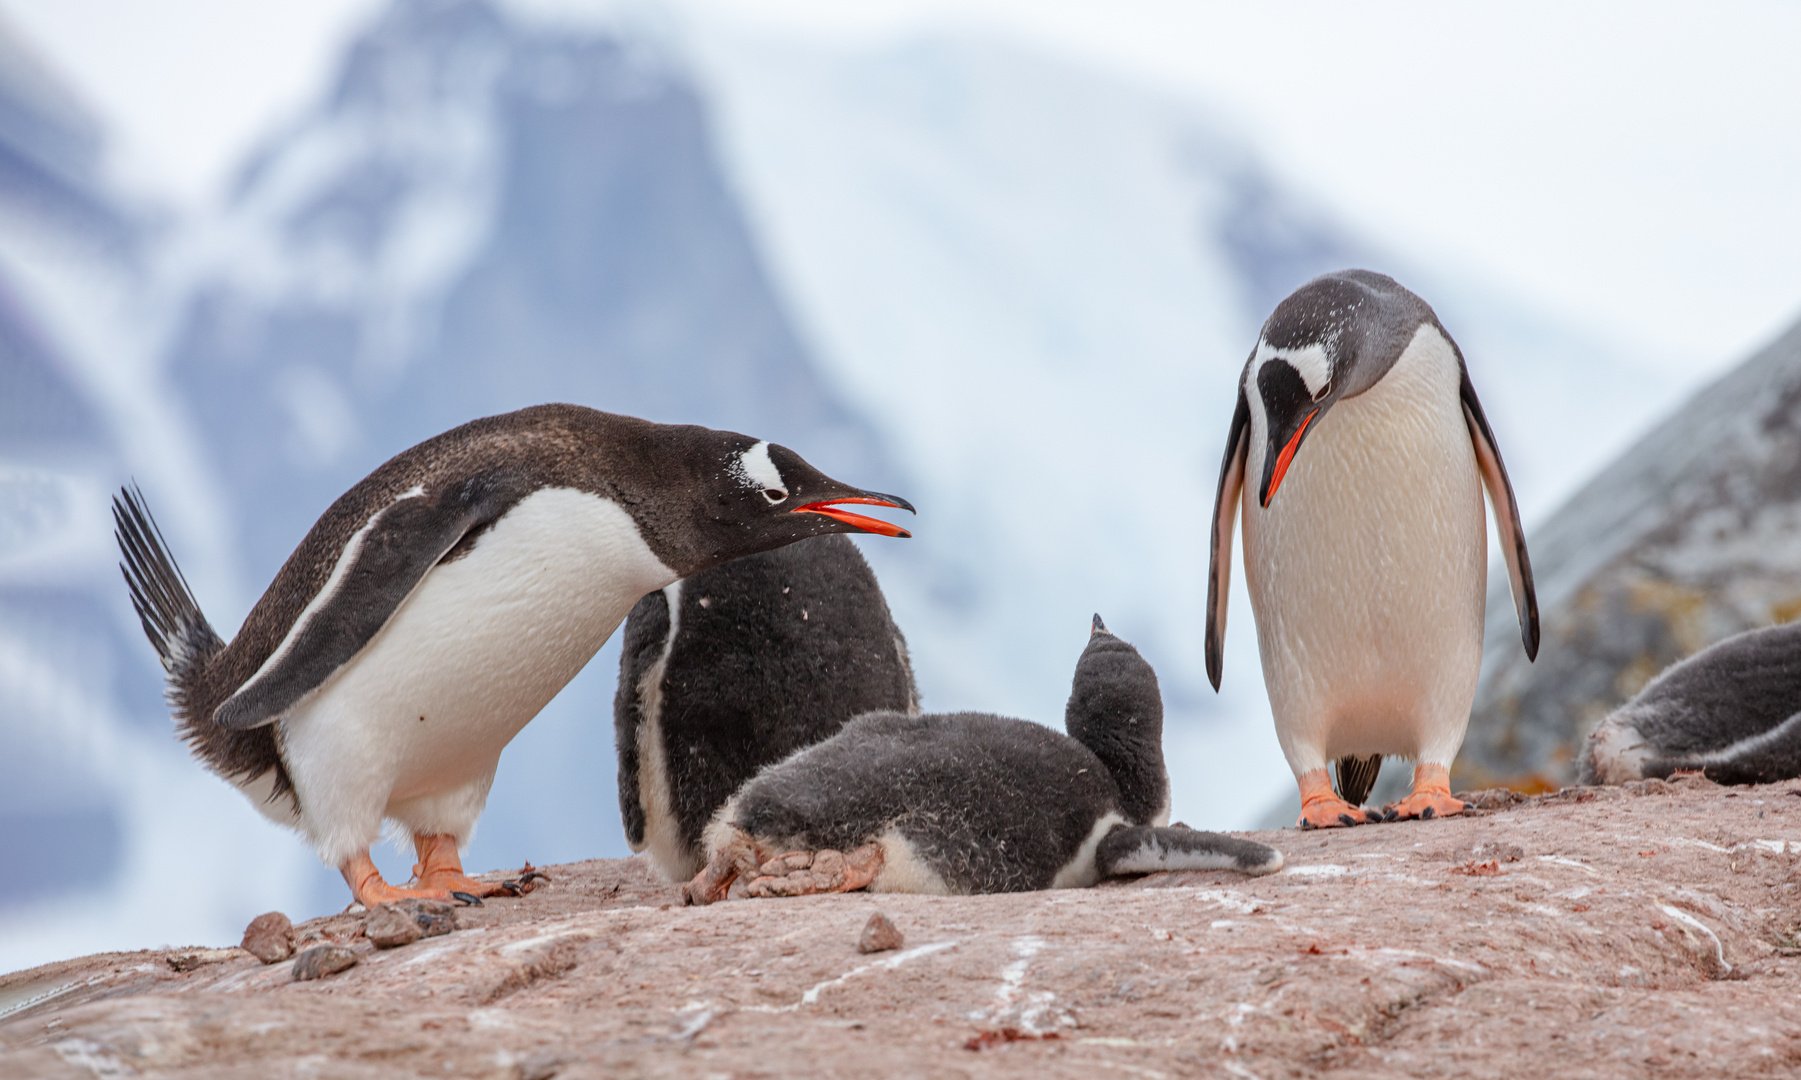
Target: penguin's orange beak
1285, 458
859, 521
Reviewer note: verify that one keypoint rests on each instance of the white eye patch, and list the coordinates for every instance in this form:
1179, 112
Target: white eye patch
755, 468
1309, 360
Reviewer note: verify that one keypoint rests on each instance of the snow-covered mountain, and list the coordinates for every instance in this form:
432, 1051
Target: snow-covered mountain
1692, 535
1015, 291
102, 823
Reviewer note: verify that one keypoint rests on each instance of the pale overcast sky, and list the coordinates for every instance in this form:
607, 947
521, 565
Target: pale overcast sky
1634, 167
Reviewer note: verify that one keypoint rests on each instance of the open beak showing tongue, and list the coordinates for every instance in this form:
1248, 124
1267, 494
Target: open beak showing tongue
860, 521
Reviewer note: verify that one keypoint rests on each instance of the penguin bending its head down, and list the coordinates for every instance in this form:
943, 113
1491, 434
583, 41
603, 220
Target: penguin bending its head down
1365, 548
964, 803
1732, 710
441, 602
737, 667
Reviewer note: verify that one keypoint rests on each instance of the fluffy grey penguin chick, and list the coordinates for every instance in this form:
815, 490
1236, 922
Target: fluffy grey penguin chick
737, 667
963, 803
1732, 710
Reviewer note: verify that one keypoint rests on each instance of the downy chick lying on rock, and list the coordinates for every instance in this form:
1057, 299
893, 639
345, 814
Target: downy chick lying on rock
1732, 710
737, 667
964, 803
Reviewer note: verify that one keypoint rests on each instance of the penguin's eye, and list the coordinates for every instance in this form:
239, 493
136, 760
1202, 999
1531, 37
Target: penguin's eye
774, 495
1325, 388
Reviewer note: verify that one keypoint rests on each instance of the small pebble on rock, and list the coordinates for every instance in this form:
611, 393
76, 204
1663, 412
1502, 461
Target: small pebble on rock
880, 935
270, 937
402, 922
390, 926
435, 917
322, 960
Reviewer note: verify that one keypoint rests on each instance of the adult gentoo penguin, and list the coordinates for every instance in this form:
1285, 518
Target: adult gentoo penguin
965, 803
1732, 711
445, 599
737, 667
1367, 572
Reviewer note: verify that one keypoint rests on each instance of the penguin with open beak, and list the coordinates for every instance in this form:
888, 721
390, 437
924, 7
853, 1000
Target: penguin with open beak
439, 604
1365, 547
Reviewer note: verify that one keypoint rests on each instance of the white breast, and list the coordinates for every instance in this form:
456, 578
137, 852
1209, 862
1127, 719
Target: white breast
474, 653
1367, 571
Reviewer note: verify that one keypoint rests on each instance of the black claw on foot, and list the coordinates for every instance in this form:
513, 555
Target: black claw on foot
528, 879
1372, 816
1305, 824
511, 888
467, 898
1346, 818
1426, 814
1391, 814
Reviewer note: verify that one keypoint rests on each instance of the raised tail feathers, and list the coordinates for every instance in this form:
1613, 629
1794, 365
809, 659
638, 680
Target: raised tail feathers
1356, 776
165, 605
186, 642
1147, 849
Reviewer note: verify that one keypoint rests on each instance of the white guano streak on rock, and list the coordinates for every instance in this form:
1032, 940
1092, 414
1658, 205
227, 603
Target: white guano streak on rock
812, 996
1689, 920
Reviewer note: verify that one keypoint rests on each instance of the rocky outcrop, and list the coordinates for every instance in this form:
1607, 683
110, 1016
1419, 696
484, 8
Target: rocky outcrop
1693, 535
1615, 932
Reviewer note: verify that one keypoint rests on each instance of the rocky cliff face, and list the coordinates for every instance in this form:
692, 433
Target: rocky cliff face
1693, 535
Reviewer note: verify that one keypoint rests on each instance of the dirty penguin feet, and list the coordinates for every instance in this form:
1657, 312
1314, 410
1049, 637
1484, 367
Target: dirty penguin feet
1431, 796
1321, 808
736, 856
801, 873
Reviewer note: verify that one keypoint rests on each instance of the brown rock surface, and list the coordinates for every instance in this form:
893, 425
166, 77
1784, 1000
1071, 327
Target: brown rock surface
1605, 933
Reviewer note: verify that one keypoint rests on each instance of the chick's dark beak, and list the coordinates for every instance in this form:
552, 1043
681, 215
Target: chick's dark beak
863, 523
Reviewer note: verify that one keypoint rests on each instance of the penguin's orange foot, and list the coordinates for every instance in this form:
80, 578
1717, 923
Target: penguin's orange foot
440, 870
449, 883
1431, 796
1321, 808
369, 889
801, 873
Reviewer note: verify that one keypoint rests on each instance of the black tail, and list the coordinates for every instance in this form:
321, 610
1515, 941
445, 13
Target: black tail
1356, 776
165, 605
1145, 849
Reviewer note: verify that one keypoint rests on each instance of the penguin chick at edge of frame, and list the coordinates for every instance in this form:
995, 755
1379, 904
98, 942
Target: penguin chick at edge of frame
1365, 548
737, 667
440, 603
965, 803
1732, 711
